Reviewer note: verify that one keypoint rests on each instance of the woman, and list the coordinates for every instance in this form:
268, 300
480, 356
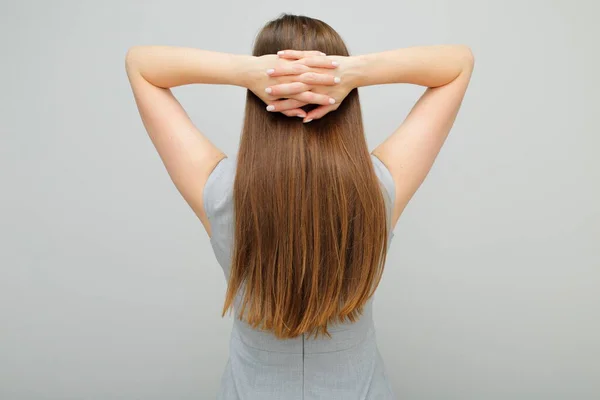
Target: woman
314, 211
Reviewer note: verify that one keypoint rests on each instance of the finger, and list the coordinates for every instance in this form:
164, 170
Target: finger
286, 89
285, 105
314, 98
288, 69
320, 62
314, 78
297, 112
298, 54
320, 112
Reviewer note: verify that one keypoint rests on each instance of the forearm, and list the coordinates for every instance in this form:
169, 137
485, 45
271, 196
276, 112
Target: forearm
430, 66
167, 67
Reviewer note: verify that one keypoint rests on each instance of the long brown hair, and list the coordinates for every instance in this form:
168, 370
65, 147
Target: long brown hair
310, 219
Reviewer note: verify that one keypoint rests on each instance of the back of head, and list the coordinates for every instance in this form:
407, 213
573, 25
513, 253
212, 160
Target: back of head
310, 220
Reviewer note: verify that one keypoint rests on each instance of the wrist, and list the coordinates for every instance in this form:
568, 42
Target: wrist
245, 70
241, 71
354, 71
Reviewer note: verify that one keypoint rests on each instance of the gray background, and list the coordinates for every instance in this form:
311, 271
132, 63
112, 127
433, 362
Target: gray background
108, 286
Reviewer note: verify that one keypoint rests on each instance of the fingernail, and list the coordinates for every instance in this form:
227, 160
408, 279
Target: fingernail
270, 71
337, 79
268, 90
300, 116
280, 52
308, 120
331, 100
270, 108
323, 54
335, 63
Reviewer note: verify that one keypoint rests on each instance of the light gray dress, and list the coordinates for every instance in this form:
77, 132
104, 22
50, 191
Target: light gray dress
347, 366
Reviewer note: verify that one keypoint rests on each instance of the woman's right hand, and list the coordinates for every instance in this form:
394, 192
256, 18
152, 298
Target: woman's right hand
297, 90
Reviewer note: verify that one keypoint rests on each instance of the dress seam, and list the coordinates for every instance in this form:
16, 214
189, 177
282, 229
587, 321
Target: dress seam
303, 366
370, 333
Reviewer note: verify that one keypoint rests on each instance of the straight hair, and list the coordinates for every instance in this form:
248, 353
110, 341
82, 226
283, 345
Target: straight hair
310, 236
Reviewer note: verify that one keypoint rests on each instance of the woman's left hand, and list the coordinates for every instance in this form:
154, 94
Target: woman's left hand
299, 76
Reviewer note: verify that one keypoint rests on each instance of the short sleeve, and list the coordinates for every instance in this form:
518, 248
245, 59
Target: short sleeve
387, 181
218, 205
385, 176
217, 190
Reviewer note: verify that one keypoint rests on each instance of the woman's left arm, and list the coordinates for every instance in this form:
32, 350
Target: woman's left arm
187, 154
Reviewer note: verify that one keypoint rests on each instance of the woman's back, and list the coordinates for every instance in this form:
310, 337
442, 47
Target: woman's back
345, 366
313, 208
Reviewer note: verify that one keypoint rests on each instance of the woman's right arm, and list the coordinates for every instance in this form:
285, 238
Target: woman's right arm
409, 153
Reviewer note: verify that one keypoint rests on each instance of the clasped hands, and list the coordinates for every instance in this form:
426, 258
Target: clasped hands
288, 81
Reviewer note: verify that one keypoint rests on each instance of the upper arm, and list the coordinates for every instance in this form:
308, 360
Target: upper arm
409, 153
187, 154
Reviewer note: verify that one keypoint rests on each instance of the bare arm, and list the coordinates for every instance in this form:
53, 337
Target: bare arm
409, 153
411, 150
187, 154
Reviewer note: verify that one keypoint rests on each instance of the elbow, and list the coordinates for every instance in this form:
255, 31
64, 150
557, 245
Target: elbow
131, 58
467, 57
